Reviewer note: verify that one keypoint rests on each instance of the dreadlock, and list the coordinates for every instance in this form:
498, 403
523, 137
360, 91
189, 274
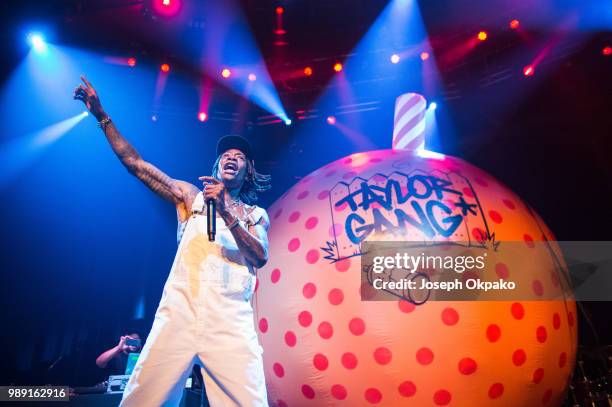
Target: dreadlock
254, 182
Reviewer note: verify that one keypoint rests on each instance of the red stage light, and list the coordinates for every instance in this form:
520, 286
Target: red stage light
606, 51
280, 10
337, 67
308, 71
202, 116
482, 35
331, 120
424, 55
131, 62
514, 24
529, 70
226, 73
165, 68
166, 8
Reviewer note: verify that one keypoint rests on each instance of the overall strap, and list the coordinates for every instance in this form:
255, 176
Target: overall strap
198, 207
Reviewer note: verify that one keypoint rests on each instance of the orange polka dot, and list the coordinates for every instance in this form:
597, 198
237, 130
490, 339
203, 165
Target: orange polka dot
493, 333
562, 359
308, 391
495, 217
442, 397
305, 319
278, 369
338, 392
538, 375
312, 256
320, 362
519, 357
325, 330
517, 310
467, 366
541, 334
309, 290
406, 306
343, 265
424, 356
382, 355
373, 396
496, 390
349, 360
450, 316
290, 339
407, 389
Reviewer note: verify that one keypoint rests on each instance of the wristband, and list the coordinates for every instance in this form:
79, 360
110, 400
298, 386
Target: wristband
234, 223
104, 122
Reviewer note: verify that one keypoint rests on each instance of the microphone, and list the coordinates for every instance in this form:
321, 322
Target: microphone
211, 219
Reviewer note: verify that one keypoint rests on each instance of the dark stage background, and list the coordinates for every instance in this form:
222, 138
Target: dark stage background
86, 248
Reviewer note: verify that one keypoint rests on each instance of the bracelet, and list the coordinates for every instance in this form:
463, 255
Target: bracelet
104, 122
234, 223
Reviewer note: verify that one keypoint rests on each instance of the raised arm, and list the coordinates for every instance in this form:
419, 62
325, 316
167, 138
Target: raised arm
178, 192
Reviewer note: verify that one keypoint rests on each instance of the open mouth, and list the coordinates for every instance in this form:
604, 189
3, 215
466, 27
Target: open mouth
230, 167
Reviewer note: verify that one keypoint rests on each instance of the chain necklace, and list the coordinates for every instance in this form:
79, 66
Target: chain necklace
235, 203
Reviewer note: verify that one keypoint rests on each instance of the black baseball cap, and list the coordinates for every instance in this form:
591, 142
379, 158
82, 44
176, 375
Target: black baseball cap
237, 142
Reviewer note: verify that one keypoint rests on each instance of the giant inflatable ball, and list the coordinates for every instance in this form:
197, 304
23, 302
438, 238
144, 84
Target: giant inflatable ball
325, 344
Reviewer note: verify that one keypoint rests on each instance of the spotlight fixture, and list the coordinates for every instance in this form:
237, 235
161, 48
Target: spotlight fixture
37, 41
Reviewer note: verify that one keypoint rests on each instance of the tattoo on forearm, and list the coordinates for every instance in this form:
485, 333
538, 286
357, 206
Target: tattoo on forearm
253, 249
124, 151
151, 176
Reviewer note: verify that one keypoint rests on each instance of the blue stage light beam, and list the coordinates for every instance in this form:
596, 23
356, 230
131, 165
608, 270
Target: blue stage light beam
230, 44
432, 138
18, 154
391, 48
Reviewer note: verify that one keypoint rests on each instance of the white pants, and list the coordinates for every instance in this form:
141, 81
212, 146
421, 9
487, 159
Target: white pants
207, 322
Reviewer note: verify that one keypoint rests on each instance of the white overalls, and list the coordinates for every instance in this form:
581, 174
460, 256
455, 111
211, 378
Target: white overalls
205, 313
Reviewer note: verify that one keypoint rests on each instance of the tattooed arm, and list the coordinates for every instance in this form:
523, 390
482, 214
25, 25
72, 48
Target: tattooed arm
178, 192
252, 242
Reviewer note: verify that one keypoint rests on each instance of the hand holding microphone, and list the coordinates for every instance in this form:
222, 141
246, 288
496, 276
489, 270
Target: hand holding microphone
214, 196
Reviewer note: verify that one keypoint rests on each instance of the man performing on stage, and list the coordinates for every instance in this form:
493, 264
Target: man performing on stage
205, 311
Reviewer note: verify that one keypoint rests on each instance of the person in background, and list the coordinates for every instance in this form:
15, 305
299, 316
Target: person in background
115, 358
